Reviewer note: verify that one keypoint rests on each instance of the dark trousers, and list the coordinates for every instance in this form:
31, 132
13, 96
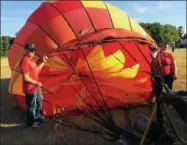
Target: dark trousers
169, 81
34, 106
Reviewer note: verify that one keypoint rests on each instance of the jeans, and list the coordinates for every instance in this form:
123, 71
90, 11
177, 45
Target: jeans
169, 80
34, 106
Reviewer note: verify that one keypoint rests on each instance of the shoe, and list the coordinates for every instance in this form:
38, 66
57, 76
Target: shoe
42, 119
35, 125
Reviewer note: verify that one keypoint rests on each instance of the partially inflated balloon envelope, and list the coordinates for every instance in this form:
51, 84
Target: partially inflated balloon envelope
98, 56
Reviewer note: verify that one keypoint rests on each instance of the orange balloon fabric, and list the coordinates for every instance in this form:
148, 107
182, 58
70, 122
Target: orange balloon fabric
98, 56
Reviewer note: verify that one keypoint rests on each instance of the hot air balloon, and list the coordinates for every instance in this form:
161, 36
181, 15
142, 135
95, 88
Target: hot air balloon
98, 57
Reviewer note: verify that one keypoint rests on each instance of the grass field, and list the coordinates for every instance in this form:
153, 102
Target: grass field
5, 70
180, 56
14, 131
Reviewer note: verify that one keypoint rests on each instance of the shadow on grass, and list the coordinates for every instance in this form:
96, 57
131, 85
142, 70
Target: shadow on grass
11, 114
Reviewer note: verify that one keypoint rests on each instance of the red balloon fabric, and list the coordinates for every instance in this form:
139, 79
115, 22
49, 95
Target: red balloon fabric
98, 57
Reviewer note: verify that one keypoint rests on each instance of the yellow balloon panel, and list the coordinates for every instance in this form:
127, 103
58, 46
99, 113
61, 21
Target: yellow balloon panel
94, 4
57, 64
136, 27
15, 86
119, 18
127, 72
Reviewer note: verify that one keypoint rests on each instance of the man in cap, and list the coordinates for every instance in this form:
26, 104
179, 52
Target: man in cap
32, 86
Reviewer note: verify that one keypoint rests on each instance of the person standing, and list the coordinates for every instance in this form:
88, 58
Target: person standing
164, 63
32, 86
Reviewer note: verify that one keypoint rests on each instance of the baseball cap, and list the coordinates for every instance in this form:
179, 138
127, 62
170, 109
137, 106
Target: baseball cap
30, 47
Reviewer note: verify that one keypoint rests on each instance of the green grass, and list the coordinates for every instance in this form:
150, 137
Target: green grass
5, 70
180, 83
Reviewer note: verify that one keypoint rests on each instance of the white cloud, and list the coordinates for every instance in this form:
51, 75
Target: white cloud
141, 9
10, 28
28, 11
137, 19
18, 11
162, 5
11, 19
170, 5
11, 15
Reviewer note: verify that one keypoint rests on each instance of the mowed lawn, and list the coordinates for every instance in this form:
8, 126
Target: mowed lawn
14, 131
5, 70
180, 56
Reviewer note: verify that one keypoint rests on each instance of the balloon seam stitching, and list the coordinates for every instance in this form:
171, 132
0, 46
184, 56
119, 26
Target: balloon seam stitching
130, 23
127, 51
44, 32
63, 18
109, 14
88, 16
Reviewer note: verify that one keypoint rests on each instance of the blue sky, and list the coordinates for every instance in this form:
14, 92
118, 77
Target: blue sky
15, 13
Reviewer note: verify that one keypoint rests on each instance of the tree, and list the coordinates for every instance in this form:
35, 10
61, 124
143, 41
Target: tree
2, 46
6, 42
11, 41
5, 45
161, 33
170, 34
155, 30
180, 31
185, 36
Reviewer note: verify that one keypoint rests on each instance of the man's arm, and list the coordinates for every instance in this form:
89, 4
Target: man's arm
40, 66
27, 78
44, 60
174, 67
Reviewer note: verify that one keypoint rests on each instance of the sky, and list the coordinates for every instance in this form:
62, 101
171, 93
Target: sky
15, 13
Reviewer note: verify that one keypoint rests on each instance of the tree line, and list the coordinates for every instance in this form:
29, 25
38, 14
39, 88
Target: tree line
164, 33
6, 42
160, 33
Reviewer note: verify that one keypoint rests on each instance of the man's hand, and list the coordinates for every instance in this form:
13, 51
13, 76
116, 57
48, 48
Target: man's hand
45, 58
174, 77
39, 84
